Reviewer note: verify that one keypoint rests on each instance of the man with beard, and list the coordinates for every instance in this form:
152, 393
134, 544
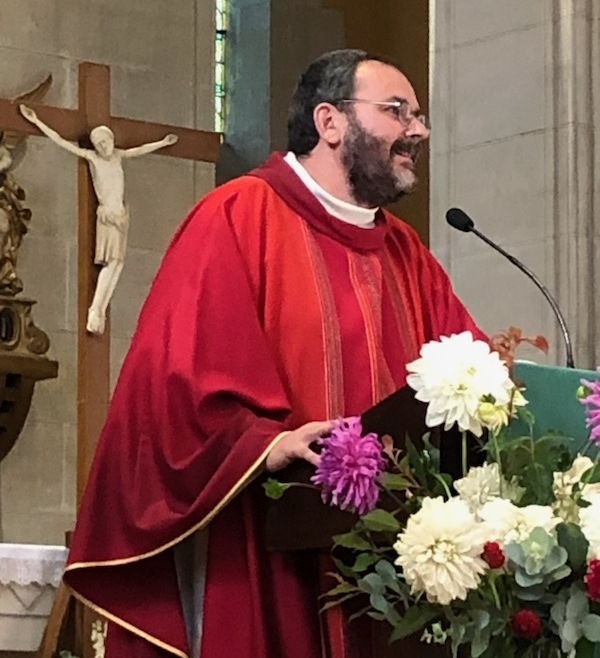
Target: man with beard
288, 298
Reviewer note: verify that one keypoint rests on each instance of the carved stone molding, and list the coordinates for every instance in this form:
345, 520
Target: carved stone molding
22, 364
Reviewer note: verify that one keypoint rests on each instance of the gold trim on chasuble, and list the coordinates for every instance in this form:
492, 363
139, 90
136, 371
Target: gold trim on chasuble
366, 278
332, 341
137, 558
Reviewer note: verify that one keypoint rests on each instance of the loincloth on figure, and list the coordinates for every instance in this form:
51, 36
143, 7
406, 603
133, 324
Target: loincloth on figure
111, 235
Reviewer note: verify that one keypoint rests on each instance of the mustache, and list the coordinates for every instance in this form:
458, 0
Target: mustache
410, 147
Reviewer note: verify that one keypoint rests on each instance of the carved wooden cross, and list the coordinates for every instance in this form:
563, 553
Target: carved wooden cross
93, 360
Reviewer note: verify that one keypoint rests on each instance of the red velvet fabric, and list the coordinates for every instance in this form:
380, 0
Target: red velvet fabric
266, 313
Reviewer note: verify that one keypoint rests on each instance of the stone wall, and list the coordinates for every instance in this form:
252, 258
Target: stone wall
161, 54
514, 103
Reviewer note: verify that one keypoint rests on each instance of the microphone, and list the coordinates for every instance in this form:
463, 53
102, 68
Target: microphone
459, 220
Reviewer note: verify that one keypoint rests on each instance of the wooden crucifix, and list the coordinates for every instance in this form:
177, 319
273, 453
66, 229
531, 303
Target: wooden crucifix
93, 359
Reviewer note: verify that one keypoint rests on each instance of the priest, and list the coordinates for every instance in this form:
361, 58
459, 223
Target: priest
289, 297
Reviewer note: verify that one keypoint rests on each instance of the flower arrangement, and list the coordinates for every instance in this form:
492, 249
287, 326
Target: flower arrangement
504, 560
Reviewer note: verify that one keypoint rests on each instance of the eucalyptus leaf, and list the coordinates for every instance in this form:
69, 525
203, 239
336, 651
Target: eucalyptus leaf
388, 574
591, 628
480, 643
577, 607
371, 584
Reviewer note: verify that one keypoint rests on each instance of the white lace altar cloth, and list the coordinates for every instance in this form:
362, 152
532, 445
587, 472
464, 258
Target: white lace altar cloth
29, 576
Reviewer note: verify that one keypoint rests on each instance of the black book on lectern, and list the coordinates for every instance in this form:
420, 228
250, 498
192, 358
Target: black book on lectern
300, 520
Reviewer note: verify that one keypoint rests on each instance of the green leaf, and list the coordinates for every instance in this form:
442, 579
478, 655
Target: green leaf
344, 569
394, 482
275, 489
381, 521
334, 602
416, 462
592, 475
572, 539
342, 588
591, 628
351, 540
364, 561
585, 649
414, 620
433, 453
538, 482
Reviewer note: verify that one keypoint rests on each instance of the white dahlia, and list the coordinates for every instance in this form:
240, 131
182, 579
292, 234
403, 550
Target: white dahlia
506, 523
590, 524
454, 376
484, 483
564, 505
440, 550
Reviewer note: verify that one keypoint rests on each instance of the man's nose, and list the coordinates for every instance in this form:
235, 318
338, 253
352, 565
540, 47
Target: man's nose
417, 129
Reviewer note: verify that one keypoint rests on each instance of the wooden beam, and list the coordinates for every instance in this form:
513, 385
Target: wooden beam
71, 124
93, 352
68, 123
192, 144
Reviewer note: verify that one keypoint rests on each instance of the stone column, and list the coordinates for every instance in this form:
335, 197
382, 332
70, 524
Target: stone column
575, 83
515, 91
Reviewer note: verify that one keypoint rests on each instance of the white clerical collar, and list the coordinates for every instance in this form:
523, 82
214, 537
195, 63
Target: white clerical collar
347, 212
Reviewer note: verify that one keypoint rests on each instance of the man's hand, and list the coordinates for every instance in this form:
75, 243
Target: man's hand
170, 139
296, 445
28, 113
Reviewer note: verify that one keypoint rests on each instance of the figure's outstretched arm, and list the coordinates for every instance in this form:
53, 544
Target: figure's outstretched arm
144, 149
32, 117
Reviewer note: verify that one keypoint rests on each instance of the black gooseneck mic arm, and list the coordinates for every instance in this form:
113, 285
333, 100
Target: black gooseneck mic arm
459, 219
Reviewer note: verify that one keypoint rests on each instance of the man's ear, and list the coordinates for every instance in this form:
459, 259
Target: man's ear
330, 123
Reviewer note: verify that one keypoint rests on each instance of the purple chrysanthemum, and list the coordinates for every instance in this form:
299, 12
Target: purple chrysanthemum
592, 412
349, 467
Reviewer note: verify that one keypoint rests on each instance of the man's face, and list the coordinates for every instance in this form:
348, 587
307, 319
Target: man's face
104, 144
379, 148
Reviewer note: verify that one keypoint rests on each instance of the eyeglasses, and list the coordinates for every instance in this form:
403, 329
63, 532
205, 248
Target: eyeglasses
399, 109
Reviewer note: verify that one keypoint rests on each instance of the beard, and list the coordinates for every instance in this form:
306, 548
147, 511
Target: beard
369, 165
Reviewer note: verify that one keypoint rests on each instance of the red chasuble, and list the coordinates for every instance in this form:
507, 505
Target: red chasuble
266, 313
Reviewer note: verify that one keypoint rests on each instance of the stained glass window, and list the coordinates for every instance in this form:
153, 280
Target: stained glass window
221, 24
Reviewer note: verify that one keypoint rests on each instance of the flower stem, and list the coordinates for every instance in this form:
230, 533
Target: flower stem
441, 480
492, 582
464, 453
497, 451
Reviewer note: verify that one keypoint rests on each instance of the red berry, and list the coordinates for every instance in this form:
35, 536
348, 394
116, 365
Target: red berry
592, 580
493, 554
527, 623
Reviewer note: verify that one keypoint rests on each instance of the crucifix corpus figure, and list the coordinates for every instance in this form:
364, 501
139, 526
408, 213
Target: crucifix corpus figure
112, 215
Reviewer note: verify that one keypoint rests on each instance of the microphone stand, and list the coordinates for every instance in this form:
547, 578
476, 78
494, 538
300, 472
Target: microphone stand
542, 287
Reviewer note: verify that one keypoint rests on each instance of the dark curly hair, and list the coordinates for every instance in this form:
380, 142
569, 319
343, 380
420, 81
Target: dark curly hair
330, 78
